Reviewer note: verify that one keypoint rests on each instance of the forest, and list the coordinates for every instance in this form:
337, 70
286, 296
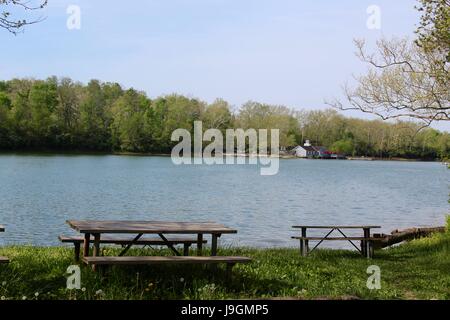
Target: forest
62, 115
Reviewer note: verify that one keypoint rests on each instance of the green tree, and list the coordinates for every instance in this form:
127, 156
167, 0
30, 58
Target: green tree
434, 29
94, 120
5, 107
43, 100
218, 116
344, 147
128, 128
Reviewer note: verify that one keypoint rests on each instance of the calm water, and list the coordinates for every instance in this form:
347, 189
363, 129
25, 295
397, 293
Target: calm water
39, 193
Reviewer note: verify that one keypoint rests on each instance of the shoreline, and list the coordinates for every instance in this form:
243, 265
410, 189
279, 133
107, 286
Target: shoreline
158, 154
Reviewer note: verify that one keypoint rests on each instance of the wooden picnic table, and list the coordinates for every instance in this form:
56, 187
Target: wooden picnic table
161, 228
366, 240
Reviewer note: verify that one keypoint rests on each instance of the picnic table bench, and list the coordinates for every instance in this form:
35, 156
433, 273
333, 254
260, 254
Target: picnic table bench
366, 240
160, 228
3, 259
123, 241
228, 260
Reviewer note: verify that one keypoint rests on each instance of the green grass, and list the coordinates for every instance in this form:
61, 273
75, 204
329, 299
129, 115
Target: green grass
419, 269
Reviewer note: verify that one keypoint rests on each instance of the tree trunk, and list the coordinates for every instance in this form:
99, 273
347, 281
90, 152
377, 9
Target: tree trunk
398, 236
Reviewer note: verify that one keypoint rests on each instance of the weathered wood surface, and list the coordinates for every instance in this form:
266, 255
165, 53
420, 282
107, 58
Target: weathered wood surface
126, 240
133, 260
4, 260
148, 227
337, 227
397, 236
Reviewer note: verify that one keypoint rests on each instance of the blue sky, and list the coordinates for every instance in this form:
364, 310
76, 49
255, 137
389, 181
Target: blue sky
291, 52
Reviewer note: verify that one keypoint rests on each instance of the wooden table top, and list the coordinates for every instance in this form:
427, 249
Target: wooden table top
338, 227
148, 227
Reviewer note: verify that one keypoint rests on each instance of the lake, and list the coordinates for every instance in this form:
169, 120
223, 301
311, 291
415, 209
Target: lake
38, 193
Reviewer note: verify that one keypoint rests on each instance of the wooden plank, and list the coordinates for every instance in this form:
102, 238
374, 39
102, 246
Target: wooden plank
148, 227
4, 260
336, 238
336, 227
126, 240
133, 260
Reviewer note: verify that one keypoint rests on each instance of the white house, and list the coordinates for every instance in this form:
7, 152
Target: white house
309, 151
305, 151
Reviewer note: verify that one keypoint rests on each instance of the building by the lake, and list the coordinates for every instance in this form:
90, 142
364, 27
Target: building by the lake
310, 151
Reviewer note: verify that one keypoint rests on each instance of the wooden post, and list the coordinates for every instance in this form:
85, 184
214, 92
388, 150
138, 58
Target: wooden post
199, 244
186, 249
369, 249
96, 251
214, 249
304, 245
77, 251
214, 244
364, 243
87, 239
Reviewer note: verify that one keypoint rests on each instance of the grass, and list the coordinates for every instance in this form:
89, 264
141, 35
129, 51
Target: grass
419, 269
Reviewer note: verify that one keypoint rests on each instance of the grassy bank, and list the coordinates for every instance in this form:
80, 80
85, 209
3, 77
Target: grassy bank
416, 270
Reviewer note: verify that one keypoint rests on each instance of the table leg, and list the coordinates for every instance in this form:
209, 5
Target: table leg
369, 249
96, 251
87, 239
199, 244
364, 243
304, 244
77, 250
186, 249
214, 244
129, 245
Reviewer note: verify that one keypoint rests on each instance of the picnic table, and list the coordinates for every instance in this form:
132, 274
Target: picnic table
3, 259
162, 229
366, 246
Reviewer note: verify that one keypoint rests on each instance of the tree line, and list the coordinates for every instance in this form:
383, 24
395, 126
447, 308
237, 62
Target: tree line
59, 114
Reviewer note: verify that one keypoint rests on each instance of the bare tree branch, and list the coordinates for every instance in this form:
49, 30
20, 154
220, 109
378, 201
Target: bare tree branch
14, 24
403, 81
